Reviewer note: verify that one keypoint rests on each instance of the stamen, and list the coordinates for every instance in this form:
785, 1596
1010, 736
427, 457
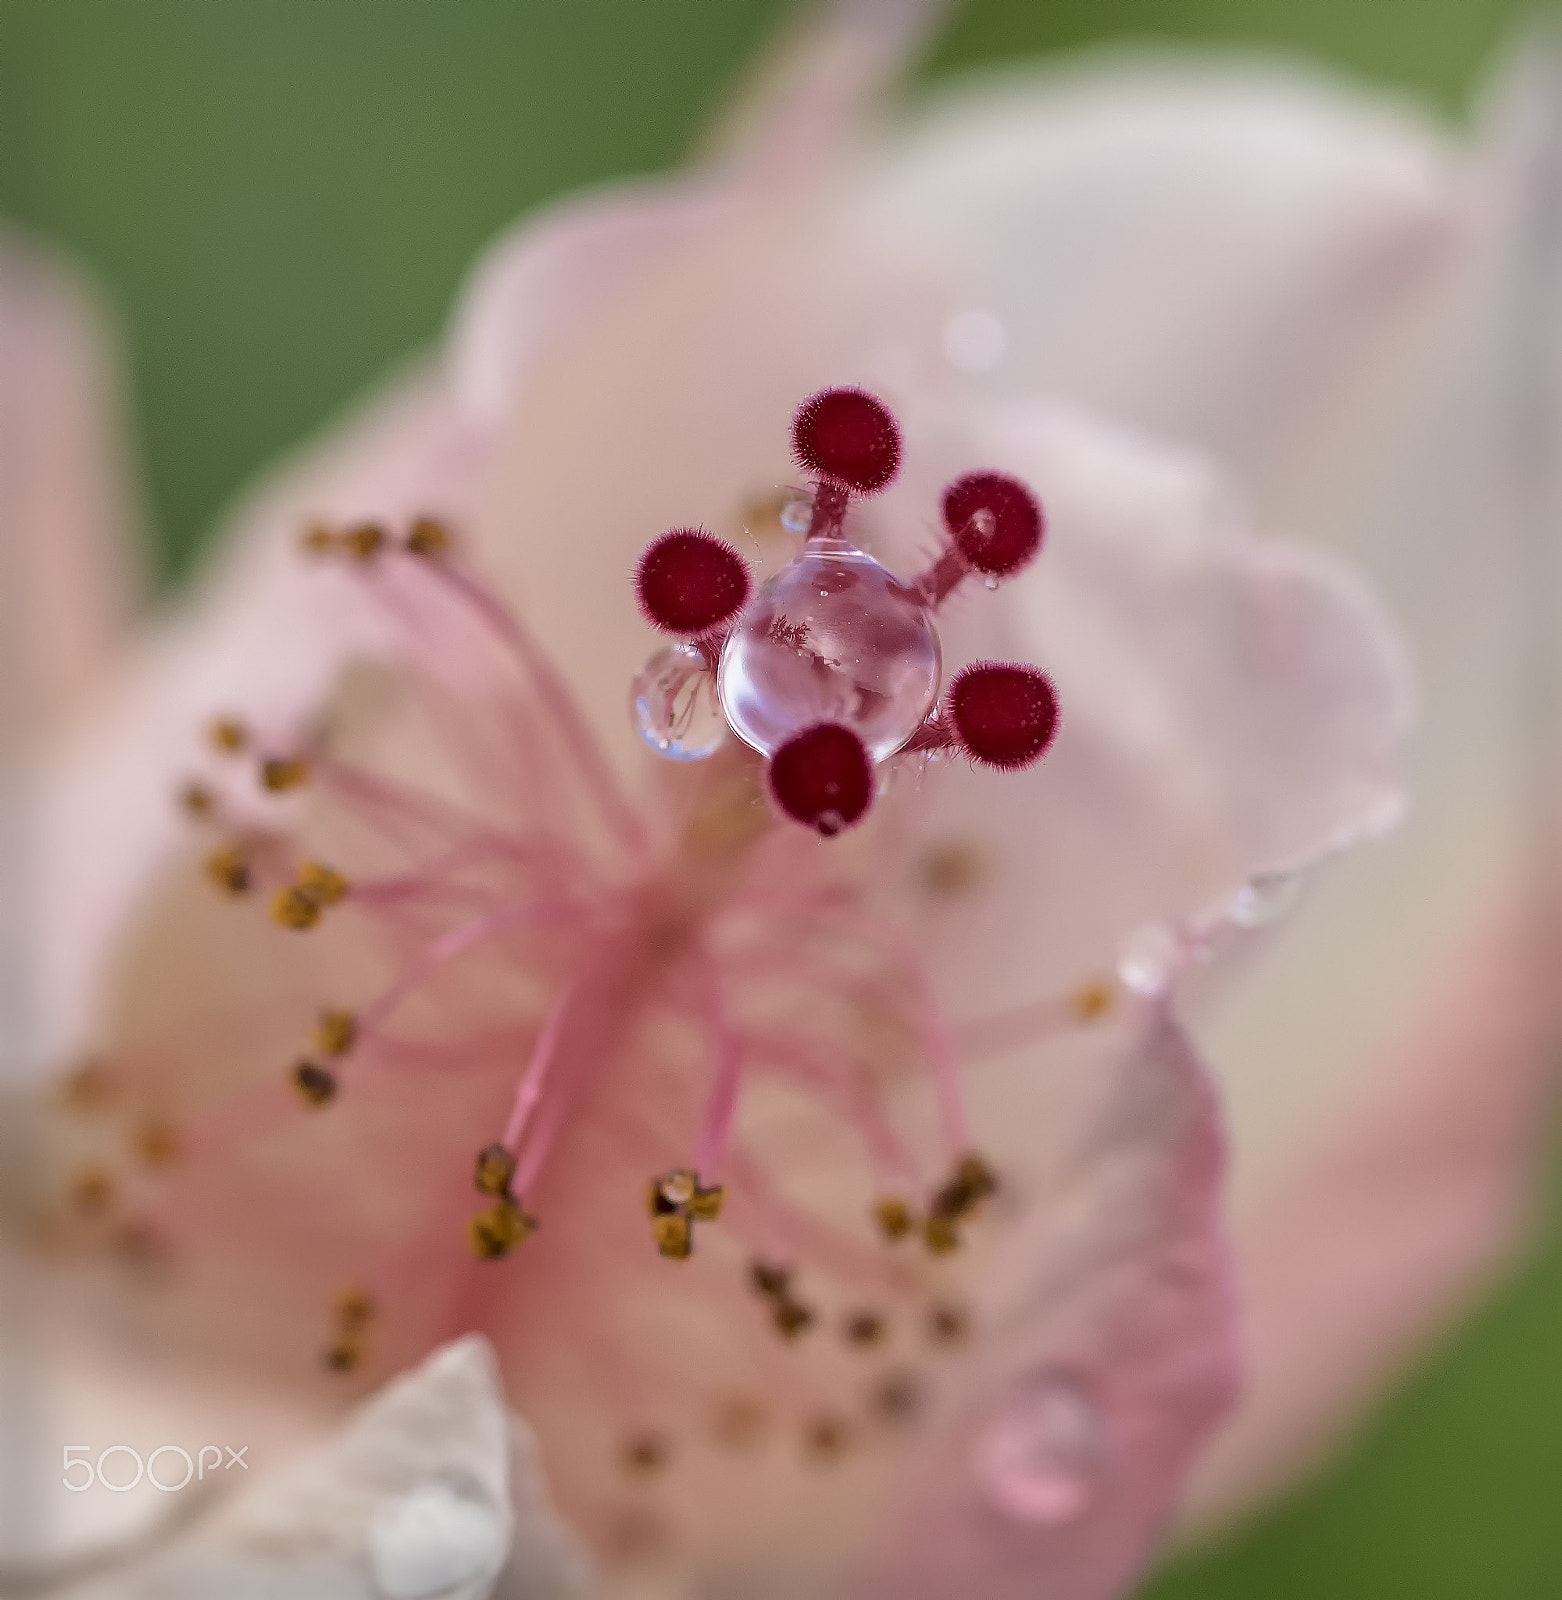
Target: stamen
316, 1085
496, 1232
157, 1144
335, 1032
864, 1328
354, 1311
228, 735
675, 1202
791, 1317
947, 1324
88, 1089
1091, 1001
229, 869
318, 539
293, 908
646, 1452
897, 1397
196, 800
91, 1192
365, 540
495, 1170
826, 1438
280, 773
428, 537
893, 1216
300, 904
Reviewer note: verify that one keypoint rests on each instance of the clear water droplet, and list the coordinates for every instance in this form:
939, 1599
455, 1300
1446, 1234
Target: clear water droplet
1265, 898
430, 1539
797, 515
1040, 1457
832, 637
989, 583
1148, 960
673, 702
830, 823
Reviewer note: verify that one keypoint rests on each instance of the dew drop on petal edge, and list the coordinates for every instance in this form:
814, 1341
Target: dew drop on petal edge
1040, 1457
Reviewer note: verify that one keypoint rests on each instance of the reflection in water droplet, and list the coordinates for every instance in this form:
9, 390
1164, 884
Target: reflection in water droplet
1148, 959
1266, 897
1040, 1457
673, 702
797, 516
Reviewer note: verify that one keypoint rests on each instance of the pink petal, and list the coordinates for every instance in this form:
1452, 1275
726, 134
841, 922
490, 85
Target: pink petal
68, 511
1108, 1353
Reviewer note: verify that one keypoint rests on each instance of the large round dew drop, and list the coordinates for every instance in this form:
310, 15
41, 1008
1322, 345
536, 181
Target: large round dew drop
833, 637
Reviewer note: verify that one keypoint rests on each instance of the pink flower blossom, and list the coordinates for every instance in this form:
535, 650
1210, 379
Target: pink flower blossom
537, 920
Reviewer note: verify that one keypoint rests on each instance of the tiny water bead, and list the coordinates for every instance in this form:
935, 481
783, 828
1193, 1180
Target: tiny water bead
1265, 898
1041, 1456
836, 641
832, 637
675, 705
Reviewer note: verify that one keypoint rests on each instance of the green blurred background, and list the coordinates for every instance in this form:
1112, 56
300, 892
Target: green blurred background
281, 196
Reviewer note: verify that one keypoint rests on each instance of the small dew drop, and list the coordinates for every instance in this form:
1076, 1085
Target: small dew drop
430, 1539
797, 515
674, 705
1039, 1459
989, 583
830, 823
1265, 898
1148, 960
974, 341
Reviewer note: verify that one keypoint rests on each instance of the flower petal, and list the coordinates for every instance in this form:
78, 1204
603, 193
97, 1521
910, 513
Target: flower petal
1108, 1351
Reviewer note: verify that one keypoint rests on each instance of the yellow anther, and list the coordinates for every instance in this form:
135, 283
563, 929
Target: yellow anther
317, 539
346, 1355
705, 1204
294, 908
674, 1235
1091, 1001
335, 1032
495, 1170
893, 1216
196, 800
228, 735
354, 1309
496, 1232
321, 883
316, 1085
91, 1191
940, 1235
279, 773
428, 537
229, 869
364, 540
157, 1144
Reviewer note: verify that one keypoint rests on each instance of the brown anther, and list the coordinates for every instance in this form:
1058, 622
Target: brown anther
792, 1318
157, 1144
646, 1452
89, 1088
973, 1182
705, 1204
294, 908
897, 1396
229, 869
947, 1324
940, 1235
893, 1216
317, 539
864, 1328
335, 1032
91, 1192
354, 1309
1091, 1001
496, 1232
346, 1355
316, 1085
770, 1280
495, 1170
196, 800
740, 1422
228, 735
674, 1235
323, 884
951, 868
279, 773
364, 540
428, 537
826, 1438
